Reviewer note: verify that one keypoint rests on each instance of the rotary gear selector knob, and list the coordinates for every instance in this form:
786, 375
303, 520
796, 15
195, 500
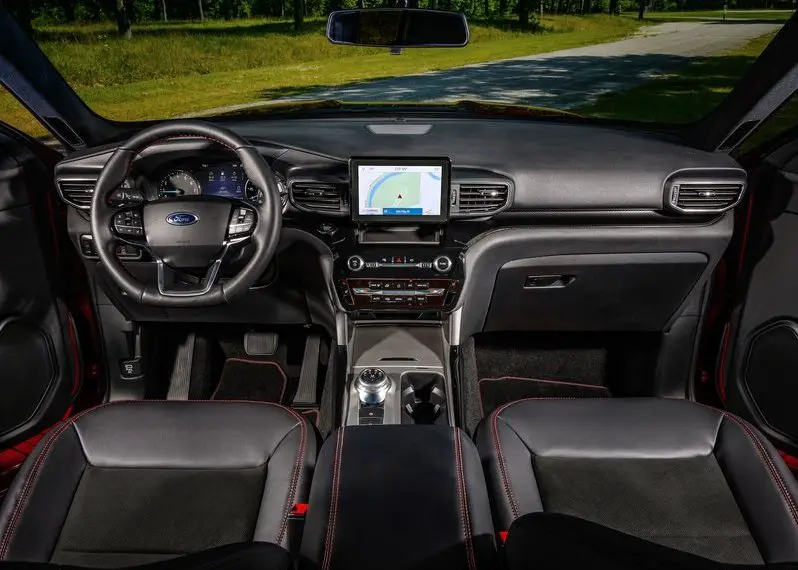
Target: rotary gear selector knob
372, 386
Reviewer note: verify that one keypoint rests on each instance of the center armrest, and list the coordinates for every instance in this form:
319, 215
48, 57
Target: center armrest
398, 497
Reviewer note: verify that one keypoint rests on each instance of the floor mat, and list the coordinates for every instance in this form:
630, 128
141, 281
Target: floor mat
249, 379
495, 392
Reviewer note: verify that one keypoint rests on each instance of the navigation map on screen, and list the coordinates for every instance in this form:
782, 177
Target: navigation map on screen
385, 190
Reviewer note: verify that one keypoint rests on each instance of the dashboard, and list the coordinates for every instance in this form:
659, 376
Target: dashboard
516, 224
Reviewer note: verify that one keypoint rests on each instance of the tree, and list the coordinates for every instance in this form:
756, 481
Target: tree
123, 20
642, 11
524, 9
614, 4
201, 13
163, 11
299, 15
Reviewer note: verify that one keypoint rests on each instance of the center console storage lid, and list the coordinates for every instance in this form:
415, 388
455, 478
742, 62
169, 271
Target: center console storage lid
398, 497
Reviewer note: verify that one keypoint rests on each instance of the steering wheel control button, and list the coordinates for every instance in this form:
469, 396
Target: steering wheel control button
442, 264
129, 223
241, 222
355, 263
372, 386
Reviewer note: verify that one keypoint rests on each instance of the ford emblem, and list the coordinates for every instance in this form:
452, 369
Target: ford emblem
182, 218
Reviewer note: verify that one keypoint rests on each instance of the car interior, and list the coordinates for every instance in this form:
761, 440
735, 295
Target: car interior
568, 339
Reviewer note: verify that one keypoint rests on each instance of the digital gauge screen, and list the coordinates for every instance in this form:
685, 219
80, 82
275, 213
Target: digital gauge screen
225, 181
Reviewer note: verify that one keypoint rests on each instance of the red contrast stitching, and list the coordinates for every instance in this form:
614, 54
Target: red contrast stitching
463, 495
336, 482
55, 435
31, 478
502, 467
767, 460
560, 382
300, 456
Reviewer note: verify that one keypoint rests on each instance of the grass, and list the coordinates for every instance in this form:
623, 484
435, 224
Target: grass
175, 69
763, 15
682, 96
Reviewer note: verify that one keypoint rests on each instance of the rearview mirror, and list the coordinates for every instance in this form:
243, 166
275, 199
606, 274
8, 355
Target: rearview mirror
398, 28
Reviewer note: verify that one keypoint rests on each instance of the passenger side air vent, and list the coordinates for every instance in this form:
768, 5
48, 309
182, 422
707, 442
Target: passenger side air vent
77, 193
694, 197
316, 196
481, 198
705, 191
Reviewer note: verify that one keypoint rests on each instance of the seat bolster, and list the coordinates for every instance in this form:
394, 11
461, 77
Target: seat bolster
288, 477
763, 486
38, 501
508, 466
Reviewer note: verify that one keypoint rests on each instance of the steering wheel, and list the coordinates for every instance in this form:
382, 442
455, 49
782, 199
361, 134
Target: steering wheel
190, 232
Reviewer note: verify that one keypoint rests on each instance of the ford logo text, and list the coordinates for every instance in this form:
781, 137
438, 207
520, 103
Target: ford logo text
182, 218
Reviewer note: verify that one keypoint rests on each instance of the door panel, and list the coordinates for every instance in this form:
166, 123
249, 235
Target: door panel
39, 358
759, 355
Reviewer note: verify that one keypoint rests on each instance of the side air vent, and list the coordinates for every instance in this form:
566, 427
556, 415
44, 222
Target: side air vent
316, 196
482, 198
77, 193
707, 192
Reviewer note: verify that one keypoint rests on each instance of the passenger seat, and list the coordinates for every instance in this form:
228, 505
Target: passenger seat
671, 472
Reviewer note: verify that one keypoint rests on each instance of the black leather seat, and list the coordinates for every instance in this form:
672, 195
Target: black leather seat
137, 482
675, 473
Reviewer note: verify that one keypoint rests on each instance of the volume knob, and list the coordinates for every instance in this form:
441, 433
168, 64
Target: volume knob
442, 264
355, 263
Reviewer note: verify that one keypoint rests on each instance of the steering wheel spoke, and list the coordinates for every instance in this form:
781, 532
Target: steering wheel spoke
170, 284
243, 221
127, 224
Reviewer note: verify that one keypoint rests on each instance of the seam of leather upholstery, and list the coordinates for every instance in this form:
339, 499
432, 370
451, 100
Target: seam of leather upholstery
463, 495
497, 444
300, 456
502, 466
767, 460
7, 537
31, 480
330, 540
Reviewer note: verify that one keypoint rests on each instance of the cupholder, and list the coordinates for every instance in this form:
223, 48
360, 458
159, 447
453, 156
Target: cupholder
424, 396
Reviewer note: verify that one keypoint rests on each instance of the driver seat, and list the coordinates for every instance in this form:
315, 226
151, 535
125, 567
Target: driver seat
142, 481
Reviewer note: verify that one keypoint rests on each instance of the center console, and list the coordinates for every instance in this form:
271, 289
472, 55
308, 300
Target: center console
398, 258
397, 374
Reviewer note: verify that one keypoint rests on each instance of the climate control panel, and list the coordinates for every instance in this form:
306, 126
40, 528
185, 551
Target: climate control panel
399, 294
440, 263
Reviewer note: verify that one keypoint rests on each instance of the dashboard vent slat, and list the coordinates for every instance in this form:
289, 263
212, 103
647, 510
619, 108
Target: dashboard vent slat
705, 196
77, 193
482, 198
316, 196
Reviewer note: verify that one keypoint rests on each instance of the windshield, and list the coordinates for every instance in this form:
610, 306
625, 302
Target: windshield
658, 60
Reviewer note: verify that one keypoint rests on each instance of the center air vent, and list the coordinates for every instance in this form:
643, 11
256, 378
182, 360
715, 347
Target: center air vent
704, 195
316, 196
77, 193
481, 198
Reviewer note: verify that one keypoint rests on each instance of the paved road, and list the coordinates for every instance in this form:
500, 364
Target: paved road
565, 78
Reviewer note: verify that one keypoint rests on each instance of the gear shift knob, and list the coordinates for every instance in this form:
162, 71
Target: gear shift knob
372, 386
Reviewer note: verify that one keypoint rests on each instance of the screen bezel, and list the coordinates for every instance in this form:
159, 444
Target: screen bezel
354, 190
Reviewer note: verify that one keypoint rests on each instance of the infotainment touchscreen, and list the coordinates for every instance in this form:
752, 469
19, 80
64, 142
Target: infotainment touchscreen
400, 190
